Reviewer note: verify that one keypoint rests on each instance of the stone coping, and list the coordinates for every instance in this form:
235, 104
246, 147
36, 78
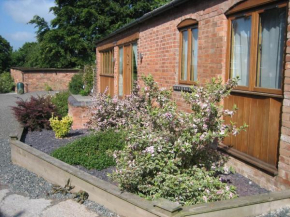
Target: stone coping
80, 101
27, 69
32, 159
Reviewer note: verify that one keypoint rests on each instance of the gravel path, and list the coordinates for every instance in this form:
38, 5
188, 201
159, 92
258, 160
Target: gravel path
19, 180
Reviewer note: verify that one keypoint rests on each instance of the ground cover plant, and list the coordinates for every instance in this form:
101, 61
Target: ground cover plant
60, 100
169, 153
93, 151
34, 113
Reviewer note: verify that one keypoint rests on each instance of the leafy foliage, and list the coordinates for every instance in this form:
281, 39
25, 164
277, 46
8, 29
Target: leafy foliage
61, 127
70, 38
6, 83
88, 79
169, 153
93, 151
60, 100
76, 84
34, 114
29, 55
5, 55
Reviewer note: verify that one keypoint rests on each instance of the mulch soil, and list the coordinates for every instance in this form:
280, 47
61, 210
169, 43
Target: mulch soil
46, 142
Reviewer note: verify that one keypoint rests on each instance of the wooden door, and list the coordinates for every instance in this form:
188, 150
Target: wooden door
127, 71
262, 114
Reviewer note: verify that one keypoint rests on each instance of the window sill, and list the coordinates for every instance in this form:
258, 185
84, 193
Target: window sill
257, 93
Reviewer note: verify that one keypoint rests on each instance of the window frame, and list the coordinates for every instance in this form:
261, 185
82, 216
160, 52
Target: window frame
254, 43
189, 52
105, 56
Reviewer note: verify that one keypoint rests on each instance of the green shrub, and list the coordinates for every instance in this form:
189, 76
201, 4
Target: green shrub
60, 100
6, 82
93, 151
61, 127
88, 79
76, 84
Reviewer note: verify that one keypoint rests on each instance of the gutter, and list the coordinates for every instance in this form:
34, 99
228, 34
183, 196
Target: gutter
144, 18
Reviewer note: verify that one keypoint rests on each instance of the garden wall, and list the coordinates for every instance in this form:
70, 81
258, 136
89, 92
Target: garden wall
78, 109
36, 79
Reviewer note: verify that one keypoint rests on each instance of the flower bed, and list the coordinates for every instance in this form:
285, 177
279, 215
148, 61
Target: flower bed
127, 204
167, 154
244, 186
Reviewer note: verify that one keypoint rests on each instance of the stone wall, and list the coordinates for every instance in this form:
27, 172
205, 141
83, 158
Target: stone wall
38, 79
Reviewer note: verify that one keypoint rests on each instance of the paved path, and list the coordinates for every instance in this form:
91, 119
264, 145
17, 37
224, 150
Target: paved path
22, 193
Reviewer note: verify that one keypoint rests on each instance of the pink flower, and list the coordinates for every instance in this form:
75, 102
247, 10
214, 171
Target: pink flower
204, 198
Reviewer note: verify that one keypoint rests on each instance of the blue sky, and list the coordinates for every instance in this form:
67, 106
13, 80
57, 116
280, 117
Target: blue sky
14, 16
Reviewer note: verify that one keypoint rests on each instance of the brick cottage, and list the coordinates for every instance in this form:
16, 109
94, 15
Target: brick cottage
186, 41
36, 79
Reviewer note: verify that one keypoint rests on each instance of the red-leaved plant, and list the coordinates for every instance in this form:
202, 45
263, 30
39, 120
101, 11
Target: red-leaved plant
34, 114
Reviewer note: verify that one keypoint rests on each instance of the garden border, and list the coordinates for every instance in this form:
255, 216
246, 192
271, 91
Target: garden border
128, 204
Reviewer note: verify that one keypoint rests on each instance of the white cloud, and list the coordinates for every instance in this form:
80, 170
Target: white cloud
22, 11
22, 36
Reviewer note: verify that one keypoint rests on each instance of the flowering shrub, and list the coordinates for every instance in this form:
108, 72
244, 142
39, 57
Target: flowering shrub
169, 154
61, 127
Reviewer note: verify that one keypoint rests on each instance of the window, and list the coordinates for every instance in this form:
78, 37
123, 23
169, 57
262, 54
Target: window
107, 62
188, 52
257, 42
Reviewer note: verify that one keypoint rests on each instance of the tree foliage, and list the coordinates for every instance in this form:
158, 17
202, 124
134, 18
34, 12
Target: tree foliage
69, 40
5, 55
28, 56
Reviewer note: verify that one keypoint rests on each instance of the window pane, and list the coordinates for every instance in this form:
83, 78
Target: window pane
271, 45
121, 71
194, 51
134, 63
184, 55
240, 49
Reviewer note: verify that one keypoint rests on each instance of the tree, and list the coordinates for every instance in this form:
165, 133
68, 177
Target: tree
69, 40
28, 56
5, 54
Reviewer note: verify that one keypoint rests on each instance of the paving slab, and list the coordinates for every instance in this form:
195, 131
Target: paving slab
68, 208
18, 205
3, 194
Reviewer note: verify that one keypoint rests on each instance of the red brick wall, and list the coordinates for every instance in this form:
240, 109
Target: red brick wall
159, 43
284, 158
80, 116
35, 81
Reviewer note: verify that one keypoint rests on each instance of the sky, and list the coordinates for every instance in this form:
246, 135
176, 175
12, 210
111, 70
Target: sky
14, 16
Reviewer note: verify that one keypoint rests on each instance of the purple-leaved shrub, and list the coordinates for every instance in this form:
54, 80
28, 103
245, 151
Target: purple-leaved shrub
169, 153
